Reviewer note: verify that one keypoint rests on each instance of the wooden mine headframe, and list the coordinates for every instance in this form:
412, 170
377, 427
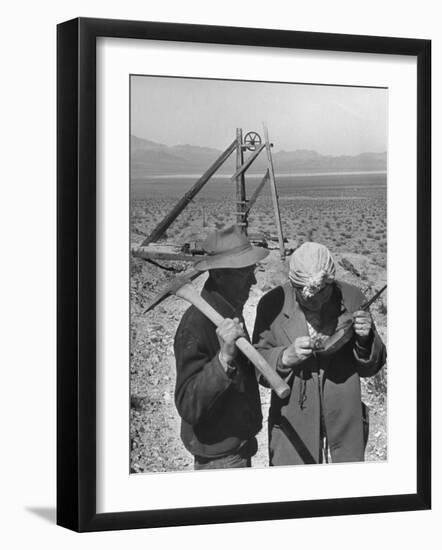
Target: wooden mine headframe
250, 142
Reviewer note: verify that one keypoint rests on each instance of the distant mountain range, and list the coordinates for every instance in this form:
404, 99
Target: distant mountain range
150, 159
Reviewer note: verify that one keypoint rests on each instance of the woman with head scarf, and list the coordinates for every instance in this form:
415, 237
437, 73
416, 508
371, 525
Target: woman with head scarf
323, 415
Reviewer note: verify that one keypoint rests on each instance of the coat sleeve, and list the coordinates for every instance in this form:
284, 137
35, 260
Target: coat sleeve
371, 359
201, 379
264, 337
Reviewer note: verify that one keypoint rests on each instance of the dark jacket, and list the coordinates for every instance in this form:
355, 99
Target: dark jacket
323, 389
219, 414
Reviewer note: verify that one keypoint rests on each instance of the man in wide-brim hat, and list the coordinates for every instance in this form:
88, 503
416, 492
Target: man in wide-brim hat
216, 391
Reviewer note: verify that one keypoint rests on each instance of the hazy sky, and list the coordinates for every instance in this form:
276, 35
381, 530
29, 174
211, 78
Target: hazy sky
328, 119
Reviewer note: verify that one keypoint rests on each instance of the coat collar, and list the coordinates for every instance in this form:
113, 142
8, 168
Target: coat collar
217, 300
293, 321
222, 306
351, 298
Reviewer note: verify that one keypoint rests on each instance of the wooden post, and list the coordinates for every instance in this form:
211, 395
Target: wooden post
256, 193
248, 162
182, 203
240, 184
274, 192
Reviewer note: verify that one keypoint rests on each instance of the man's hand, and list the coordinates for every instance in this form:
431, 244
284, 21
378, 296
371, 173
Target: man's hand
298, 352
363, 325
229, 331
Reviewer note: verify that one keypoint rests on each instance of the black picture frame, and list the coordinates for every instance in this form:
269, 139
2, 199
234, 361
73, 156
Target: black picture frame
76, 273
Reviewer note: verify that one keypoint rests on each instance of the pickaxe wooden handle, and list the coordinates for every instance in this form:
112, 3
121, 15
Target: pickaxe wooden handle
189, 293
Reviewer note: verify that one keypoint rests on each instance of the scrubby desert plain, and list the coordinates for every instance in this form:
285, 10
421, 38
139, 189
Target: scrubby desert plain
346, 212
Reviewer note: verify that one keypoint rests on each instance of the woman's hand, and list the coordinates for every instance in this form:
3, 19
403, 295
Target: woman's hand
363, 325
229, 331
298, 352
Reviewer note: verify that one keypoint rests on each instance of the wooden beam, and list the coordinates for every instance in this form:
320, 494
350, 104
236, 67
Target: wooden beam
257, 191
147, 254
240, 184
274, 192
248, 162
184, 201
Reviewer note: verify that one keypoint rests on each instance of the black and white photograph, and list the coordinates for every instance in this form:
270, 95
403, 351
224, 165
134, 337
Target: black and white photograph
258, 274
221, 248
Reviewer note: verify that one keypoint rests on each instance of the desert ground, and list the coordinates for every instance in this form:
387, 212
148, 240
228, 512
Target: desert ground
346, 213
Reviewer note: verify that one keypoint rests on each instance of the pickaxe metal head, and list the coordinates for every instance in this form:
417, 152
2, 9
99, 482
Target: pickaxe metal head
172, 287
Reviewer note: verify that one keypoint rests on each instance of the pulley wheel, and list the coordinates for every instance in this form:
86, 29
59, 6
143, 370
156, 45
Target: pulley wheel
252, 140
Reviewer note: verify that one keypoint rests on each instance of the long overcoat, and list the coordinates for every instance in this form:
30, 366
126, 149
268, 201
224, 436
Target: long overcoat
325, 397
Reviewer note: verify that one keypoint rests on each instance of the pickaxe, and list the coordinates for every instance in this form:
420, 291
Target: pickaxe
183, 288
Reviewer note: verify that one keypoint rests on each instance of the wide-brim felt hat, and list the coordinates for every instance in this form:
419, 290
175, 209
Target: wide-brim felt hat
229, 248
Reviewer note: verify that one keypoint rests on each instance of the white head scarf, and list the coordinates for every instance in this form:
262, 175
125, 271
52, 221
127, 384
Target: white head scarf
311, 268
